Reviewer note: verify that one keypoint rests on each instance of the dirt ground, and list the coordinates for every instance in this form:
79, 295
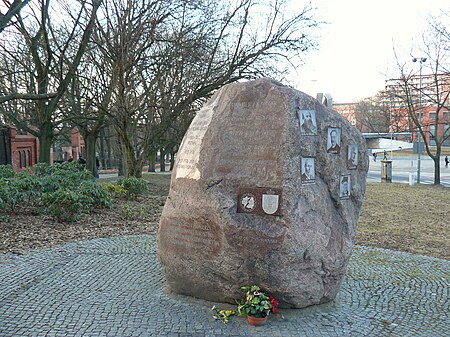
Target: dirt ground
25, 231
394, 216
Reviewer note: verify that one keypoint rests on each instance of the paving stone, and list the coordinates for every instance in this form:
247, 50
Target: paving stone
115, 287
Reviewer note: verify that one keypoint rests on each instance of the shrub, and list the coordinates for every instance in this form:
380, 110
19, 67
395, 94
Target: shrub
133, 186
98, 193
65, 175
41, 169
66, 205
6, 171
117, 191
10, 195
65, 168
30, 188
62, 190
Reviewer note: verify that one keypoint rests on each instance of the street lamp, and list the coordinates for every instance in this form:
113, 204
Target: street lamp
421, 60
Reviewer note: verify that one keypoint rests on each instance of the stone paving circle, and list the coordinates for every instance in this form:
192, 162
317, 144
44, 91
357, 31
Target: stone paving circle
115, 287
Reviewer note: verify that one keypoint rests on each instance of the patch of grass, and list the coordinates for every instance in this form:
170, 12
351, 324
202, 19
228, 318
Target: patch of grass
414, 219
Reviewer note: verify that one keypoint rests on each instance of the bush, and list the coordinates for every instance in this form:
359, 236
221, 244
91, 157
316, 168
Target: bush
7, 171
98, 193
40, 169
133, 186
65, 175
30, 187
117, 191
10, 195
66, 205
62, 169
62, 190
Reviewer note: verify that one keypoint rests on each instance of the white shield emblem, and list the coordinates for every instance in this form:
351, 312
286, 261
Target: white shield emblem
270, 203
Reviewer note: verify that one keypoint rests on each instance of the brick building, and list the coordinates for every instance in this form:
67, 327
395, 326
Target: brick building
388, 113
20, 151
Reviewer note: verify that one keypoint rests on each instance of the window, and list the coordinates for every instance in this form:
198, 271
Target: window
432, 117
22, 157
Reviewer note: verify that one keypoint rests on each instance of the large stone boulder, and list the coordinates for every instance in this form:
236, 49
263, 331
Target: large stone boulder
267, 190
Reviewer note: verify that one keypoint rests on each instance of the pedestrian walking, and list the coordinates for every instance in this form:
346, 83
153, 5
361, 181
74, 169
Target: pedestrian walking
374, 156
446, 161
384, 155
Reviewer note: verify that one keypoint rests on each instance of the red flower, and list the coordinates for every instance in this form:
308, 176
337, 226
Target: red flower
273, 301
275, 310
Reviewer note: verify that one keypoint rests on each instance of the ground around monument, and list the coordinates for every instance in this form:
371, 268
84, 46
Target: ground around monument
115, 287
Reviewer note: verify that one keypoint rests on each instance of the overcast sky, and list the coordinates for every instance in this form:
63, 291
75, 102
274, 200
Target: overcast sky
355, 53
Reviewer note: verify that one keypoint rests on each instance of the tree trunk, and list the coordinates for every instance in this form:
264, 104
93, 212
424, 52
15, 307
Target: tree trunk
45, 142
121, 160
152, 162
90, 141
109, 149
102, 148
437, 170
162, 159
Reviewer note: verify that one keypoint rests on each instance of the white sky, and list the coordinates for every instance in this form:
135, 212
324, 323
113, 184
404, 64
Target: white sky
356, 46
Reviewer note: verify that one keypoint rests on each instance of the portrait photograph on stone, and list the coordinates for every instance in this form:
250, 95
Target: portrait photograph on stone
334, 140
344, 187
308, 126
307, 166
238, 211
352, 157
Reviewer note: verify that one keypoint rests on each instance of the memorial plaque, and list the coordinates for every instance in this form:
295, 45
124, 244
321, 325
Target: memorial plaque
262, 201
344, 187
352, 157
307, 119
307, 168
334, 140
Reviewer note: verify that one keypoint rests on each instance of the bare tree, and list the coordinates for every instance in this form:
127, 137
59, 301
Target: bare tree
194, 49
124, 39
13, 9
428, 92
54, 48
373, 115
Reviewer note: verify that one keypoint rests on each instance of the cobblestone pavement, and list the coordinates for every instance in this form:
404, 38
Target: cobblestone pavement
115, 287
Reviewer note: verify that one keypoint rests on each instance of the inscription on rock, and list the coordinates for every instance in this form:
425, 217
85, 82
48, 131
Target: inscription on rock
182, 237
188, 156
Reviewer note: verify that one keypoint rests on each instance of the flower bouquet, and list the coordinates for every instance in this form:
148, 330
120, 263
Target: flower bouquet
256, 305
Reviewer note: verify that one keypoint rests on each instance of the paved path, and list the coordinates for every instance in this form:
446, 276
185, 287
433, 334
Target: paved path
115, 287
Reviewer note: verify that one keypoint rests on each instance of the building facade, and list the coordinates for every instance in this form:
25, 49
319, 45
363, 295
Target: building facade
427, 96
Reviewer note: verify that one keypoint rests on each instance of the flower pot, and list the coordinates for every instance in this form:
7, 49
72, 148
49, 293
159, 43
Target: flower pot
252, 320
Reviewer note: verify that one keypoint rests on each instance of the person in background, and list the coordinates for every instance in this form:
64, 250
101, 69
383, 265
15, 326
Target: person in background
97, 166
81, 160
